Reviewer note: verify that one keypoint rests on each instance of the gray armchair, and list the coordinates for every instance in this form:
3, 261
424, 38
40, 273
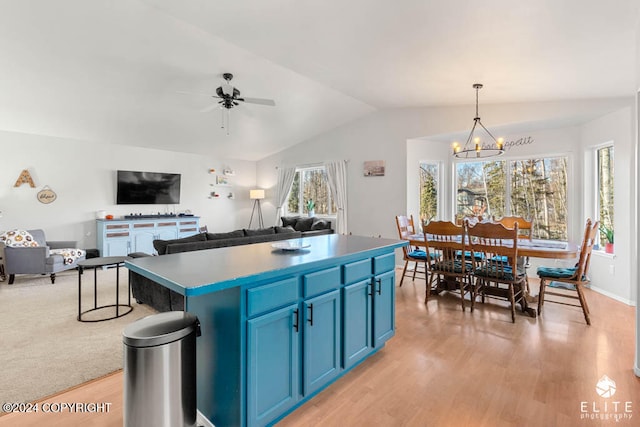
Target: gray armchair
37, 260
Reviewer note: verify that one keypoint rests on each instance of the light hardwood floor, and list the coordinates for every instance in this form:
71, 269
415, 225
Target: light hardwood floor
449, 368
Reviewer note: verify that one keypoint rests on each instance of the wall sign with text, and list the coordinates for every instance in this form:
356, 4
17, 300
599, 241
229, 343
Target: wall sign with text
46, 195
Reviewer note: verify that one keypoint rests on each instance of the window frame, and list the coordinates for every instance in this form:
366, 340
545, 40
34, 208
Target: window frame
300, 170
439, 186
508, 161
596, 190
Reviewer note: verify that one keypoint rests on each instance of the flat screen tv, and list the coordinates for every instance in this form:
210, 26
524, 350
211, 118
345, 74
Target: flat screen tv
148, 188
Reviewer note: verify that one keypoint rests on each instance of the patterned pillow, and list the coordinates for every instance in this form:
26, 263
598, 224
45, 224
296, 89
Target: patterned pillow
18, 238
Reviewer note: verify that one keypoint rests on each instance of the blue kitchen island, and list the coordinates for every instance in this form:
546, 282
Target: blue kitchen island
279, 325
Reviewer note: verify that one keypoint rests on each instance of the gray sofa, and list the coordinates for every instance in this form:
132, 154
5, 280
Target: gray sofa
163, 299
308, 226
220, 240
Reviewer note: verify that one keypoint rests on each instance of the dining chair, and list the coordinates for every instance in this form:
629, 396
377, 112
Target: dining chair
491, 244
444, 242
525, 227
525, 232
406, 229
576, 277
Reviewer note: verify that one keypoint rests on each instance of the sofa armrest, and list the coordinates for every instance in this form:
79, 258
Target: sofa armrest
25, 260
62, 244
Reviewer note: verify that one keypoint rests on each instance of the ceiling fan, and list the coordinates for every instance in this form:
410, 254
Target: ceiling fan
229, 97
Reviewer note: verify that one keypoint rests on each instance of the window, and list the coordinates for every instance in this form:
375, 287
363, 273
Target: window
534, 189
310, 184
428, 191
604, 196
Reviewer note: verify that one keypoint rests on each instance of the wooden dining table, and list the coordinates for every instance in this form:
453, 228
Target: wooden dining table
536, 248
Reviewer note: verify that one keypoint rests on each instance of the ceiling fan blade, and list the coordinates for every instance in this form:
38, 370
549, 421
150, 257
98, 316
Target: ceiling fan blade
260, 101
227, 89
184, 92
209, 108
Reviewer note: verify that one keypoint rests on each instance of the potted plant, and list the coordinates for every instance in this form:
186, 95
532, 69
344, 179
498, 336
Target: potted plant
311, 206
608, 233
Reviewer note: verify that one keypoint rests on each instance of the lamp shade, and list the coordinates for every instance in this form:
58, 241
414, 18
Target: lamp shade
256, 194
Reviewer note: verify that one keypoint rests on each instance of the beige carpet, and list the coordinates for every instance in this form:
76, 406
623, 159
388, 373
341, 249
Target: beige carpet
43, 348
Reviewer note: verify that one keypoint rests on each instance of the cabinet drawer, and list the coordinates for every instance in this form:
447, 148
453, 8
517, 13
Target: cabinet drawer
271, 296
144, 225
117, 226
321, 281
356, 271
384, 263
123, 234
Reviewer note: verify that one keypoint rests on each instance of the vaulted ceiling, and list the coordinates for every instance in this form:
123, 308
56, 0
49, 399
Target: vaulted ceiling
116, 72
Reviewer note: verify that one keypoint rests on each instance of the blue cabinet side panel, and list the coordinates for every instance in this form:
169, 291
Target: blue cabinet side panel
219, 391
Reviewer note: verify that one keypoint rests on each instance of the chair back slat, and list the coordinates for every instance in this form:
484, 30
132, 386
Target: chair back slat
588, 240
447, 241
494, 247
406, 229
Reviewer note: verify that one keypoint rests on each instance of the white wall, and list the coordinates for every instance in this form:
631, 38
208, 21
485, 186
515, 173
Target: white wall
374, 201
612, 275
635, 250
83, 175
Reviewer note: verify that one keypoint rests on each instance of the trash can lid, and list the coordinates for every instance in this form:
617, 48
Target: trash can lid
159, 329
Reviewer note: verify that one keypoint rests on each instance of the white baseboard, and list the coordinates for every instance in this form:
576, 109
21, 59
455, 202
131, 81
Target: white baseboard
636, 371
613, 296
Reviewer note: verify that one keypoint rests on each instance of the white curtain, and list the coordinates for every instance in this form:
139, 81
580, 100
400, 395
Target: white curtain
337, 177
285, 180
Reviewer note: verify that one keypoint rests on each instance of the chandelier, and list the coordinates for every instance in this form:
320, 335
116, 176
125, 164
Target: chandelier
474, 147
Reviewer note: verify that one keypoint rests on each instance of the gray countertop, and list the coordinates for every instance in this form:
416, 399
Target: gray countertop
200, 272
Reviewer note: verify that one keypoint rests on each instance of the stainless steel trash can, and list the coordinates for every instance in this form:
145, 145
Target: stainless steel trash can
160, 370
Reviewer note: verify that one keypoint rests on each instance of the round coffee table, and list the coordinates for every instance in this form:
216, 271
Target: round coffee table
96, 263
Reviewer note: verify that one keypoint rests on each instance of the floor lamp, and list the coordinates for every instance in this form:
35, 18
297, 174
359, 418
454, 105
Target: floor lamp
256, 196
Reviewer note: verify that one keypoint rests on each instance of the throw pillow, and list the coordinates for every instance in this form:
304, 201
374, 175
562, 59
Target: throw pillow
289, 221
304, 224
161, 245
287, 229
229, 235
260, 232
320, 224
18, 238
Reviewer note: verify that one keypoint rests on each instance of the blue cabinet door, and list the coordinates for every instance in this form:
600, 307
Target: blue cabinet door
357, 322
143, 240
117, 247
273, 371
384, 299
321, 340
